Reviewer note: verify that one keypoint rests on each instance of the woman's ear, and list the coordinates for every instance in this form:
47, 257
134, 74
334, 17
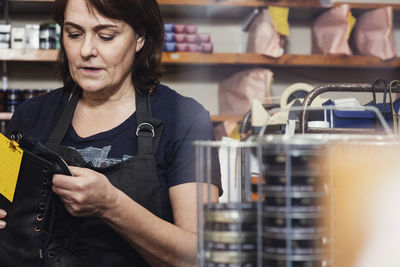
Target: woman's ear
140, 43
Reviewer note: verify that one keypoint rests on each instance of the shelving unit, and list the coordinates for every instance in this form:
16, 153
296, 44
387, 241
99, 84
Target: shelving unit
193, 58
286, 60
248, 3
287, 68
28, 55
221, 118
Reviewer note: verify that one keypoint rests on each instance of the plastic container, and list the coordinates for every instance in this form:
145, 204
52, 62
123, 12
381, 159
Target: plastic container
207, 47
169, 27
204, 37
179, 28
191, 28
180, 37
192, 38
182, 47
169, 37
169, 46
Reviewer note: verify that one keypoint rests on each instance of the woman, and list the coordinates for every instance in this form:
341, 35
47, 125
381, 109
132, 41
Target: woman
110, 118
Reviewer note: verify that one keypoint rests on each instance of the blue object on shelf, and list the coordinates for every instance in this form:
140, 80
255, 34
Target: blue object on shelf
170, 47
170, 37
359, 118
168, 27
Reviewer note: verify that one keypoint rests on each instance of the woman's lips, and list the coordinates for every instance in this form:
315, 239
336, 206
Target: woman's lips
91, 70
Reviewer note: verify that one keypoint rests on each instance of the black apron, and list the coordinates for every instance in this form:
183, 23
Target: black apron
90, 242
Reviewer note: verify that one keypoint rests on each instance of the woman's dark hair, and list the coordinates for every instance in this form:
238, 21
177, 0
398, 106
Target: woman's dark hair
145, 18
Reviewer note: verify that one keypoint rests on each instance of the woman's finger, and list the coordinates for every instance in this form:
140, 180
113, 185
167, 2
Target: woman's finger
3, 214
77, 171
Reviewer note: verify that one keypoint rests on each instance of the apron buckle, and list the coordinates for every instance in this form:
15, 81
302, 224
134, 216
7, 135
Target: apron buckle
145, 126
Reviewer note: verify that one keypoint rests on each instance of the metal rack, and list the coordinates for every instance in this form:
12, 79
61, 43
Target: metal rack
277, 214
280, 213
341, 87
279, 227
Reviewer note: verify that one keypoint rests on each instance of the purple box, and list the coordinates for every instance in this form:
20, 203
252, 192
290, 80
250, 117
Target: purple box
204, 37
193, 47
191, 28
181, 47
179, 28
207, 47
180, 37
192, 38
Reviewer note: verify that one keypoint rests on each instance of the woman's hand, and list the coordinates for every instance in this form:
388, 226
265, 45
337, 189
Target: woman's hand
86, 193
3, 214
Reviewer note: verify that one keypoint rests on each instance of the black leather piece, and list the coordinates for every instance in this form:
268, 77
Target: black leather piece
32, 145
28, 216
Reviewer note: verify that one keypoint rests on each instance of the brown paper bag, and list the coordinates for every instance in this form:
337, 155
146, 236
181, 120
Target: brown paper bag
331, 32
237, 91
373, 34
263, 38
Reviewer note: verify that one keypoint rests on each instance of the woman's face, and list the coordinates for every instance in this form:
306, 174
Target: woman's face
100, 51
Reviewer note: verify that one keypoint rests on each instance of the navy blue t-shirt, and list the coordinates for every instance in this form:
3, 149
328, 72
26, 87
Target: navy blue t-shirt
184, 119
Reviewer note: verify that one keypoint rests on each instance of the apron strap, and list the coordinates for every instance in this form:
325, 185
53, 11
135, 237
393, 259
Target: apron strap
149, 129
63, 123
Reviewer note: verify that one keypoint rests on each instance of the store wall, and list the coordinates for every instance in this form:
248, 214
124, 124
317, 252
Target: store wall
201, 82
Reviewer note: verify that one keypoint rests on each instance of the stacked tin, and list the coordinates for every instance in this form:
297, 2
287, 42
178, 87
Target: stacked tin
276, 220
293, 235
230, 234
10, 99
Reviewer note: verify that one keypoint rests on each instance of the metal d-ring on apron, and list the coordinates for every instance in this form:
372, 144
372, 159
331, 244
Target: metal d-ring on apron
137, 177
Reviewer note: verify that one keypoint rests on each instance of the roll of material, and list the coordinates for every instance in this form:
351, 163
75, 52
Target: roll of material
318, 124
295, 91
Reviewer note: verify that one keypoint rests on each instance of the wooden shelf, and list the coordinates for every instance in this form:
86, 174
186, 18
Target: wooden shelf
221, 118
28, 55
368, 5
286, 3
227, 59
212, 9
248, 3
285, 60
243, 3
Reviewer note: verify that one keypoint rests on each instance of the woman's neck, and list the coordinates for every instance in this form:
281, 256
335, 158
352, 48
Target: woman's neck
108, 97
99, 112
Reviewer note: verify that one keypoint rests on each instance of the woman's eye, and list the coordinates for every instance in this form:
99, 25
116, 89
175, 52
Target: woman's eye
74, 35
106, 37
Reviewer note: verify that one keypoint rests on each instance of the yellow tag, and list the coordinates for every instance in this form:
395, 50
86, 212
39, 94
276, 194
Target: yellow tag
351, 20
279, 17
10, 162
389, 31
235, 132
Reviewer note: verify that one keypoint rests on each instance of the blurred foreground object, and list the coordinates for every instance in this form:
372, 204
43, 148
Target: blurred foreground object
365, 179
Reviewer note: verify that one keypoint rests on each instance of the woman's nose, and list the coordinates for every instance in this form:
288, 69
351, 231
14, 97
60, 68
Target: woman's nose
88, 47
